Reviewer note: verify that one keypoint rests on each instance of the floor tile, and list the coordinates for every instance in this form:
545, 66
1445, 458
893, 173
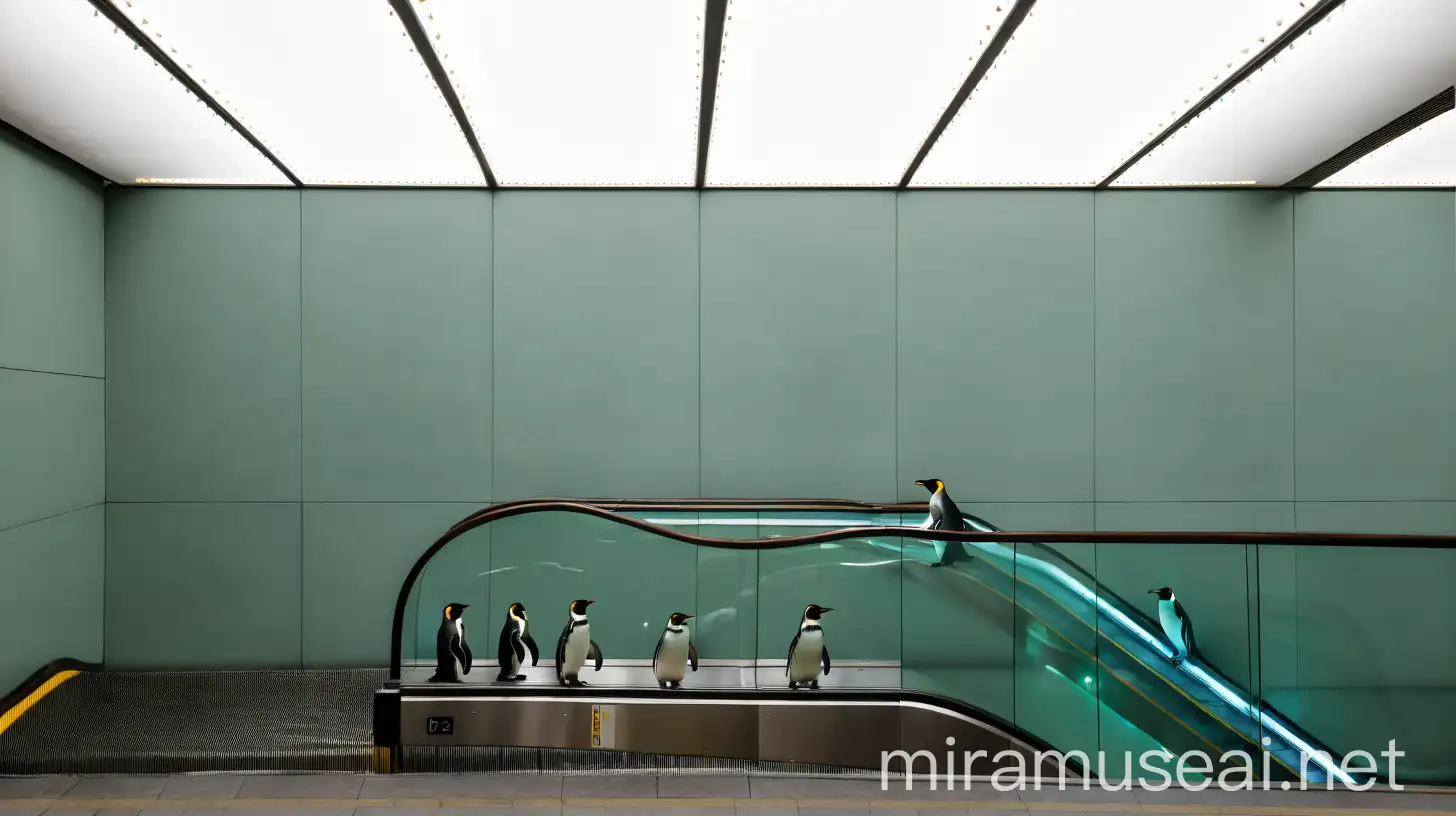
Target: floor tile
702, 787
126, 812
620, 786
462, 786
28, 810
301, 787
809, 787
201, 787
65, 811
1094, 793
288, 811
117, 787
35, 787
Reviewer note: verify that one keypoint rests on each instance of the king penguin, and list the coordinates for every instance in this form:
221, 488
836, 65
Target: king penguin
1177, 626
514, 641
674, 652
575, 646
807, 651
944, 515
452, 653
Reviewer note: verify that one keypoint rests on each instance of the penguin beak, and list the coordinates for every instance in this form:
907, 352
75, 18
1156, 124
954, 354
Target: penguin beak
689, 617
824, 609
589, 603
1152, 592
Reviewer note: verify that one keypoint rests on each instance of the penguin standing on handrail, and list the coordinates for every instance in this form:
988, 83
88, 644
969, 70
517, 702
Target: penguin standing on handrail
452, 653
944, 515
807, 651
514, 641
674, 652
1177, 626
575, 646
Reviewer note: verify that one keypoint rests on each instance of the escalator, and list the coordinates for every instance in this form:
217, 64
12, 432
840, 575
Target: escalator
1082, 630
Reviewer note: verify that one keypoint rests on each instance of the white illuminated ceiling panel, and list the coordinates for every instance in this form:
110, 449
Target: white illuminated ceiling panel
1365, 64
838, 92
1084, 84
576, 92
1425, 157
334, 88
73, 82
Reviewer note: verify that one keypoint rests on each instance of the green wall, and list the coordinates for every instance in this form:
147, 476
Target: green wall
305, 388
52, 409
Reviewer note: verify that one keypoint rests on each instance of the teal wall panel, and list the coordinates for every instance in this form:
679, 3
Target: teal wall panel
995, 344
203, 585
1230, 517
202, 327
51, 575
51, 297
52, 445
355, 559
1375, 384
596, 362
798, 322
1194, 352
1072, 516
52, 411
1404, 518
396, 345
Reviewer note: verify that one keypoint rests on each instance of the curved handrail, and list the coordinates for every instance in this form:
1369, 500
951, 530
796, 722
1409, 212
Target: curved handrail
529, 506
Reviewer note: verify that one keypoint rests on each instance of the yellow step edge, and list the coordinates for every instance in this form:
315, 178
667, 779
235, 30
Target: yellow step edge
17, 711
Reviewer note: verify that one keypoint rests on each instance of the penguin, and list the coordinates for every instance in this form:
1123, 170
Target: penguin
674, 652
807, 651
944, 515
514, 641
452, 653
576, 646
1177, 626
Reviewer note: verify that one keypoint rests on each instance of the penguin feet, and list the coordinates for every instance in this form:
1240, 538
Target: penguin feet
793, 686
519, 678
503, 678
662, 684
814, 684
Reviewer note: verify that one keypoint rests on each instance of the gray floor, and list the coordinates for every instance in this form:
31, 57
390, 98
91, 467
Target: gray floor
468, 795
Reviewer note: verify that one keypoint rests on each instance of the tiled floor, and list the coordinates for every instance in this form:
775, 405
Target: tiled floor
487, 795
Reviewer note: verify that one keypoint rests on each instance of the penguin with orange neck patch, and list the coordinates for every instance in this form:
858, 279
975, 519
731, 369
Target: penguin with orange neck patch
514, 641
452, 653
944, 515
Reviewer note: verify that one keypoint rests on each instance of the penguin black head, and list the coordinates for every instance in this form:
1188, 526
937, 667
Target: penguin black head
1163, 593
579, 607
815, 611
933, 485
518, 610
678, 619
455, 611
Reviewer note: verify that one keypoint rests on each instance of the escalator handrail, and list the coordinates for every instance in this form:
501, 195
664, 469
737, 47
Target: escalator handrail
532, 506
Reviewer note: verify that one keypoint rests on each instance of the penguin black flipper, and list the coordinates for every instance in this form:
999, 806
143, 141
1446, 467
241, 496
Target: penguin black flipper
824, 652
790, 659
1187, 628
693, 655
594, 651
658, 650
561, 653
459, 653
505, 651
469, 658
530, 644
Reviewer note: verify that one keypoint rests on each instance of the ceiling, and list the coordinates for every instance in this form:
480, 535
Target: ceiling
739, 93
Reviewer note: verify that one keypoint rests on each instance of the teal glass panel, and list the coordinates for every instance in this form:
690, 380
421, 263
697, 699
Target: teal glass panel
958, 632
637, 578
1373, 659
458, 573
858, 578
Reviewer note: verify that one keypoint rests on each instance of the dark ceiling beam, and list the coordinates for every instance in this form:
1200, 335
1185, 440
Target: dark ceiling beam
1443, 102
405, 11
978, 71
714, 16
124, 23
1311, 18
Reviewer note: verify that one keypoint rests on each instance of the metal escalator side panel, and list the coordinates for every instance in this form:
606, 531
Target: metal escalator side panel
853, 730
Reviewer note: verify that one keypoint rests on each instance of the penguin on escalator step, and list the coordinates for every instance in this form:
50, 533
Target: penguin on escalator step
944, 515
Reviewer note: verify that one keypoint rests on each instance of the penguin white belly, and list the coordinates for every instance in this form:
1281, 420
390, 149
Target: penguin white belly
804, 666
672, 659
1172, 626
577, 644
